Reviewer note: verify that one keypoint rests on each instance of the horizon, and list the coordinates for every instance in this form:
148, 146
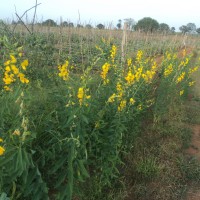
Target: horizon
90, 12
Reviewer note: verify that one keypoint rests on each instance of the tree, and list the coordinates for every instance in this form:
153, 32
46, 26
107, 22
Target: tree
173, 29
100, 26
192, 27
198, 30
49, 22
71, 24
89, 26
164, 28
189, 28
147, 24
119, 25
79, 26
65, 24
184, 29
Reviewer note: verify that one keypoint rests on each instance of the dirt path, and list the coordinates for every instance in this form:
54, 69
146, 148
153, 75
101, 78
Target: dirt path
194, 150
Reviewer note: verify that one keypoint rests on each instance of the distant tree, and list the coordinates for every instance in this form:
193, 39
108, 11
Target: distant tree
65, 24
198, 30
49, 22
192, 27
173, 29
100, 26
89, 26
71, 24
164, 28
147, 24
130, 23
184, 29
119, 25
79, 26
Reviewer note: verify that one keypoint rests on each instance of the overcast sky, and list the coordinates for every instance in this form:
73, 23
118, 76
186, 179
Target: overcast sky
173, 12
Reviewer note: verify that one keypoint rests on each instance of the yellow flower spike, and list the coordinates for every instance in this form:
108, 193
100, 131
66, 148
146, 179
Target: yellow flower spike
130, 78
122, 105
181, 92
13, 59
1, 140
2, 150
139, 55
181, 77
105, 69
113, 53
24, 64
129, 62
80, 95
168, 70
64, 72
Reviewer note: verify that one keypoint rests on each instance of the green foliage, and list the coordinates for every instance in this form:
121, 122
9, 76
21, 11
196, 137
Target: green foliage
49, 22
147, 24
73, 124
164, 28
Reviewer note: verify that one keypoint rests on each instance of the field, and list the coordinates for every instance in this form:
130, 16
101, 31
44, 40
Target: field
98, 114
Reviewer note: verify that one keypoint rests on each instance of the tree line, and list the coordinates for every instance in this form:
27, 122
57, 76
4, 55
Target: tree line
147, 24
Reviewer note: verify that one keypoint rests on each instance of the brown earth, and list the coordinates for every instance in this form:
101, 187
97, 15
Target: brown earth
194, 150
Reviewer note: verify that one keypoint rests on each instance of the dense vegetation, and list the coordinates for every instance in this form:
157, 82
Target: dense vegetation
76, 108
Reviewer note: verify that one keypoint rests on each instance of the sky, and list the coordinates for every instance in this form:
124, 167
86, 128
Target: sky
173, 12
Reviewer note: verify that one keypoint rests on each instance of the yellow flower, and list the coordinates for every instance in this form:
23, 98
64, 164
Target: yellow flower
7, 63
64, 72
24, 64
105, 69
2, 150
191, 83
13, 59
14, 69
168, 70
129, 61
132, 101
181, 77
1, 140
7, 68
130, 78
122, 105
193, 70
113, 52
139, 55
139, 107
7, 88
22, 78
111, 99
16, 132
8, 78
181, 92
80, 95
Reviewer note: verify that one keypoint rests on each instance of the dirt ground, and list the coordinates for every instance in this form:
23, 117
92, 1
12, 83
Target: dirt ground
194, 149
